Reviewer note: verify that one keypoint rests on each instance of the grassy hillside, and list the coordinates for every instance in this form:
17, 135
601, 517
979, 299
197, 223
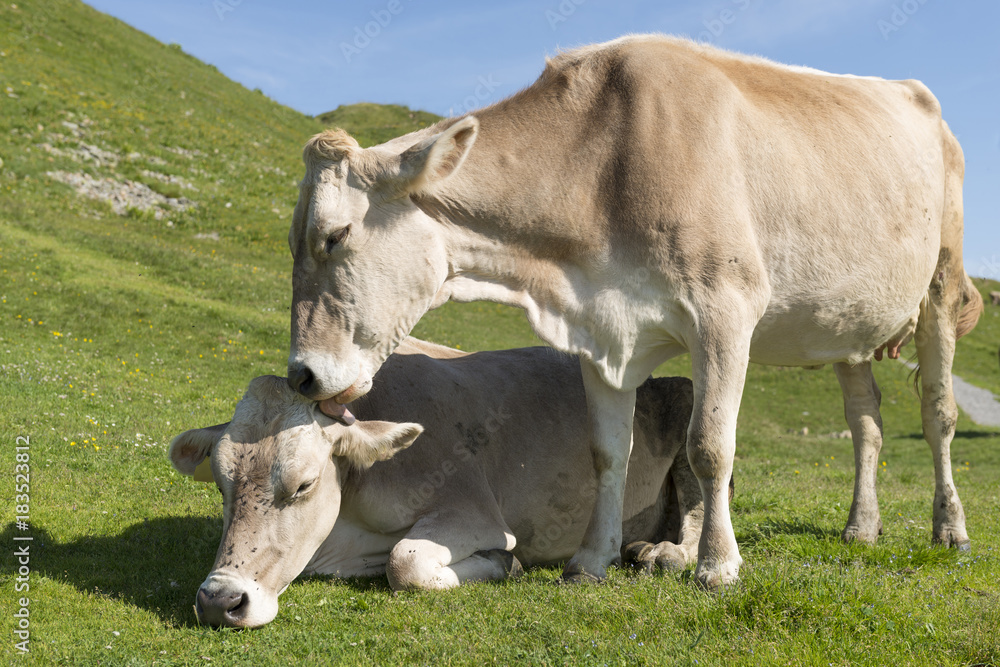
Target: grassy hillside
374, 124
119, 330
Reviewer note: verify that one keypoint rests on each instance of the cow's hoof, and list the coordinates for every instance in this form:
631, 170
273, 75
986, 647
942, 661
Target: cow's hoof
646, 556
857, 534
716, 577
950, 540
637, 555
504, 559
671, 557
514, 570
576, 574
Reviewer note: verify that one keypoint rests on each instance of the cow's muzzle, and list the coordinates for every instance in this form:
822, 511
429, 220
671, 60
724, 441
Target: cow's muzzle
322, 376
223, 608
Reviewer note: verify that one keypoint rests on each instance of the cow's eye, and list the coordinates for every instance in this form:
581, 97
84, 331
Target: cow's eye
336, 238
303, 488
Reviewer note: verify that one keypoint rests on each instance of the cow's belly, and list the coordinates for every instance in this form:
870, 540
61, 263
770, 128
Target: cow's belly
549, 513
812, 337
550, 525
833, 306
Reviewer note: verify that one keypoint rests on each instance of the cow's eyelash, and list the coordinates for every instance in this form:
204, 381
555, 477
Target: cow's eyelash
336, 238
303, 488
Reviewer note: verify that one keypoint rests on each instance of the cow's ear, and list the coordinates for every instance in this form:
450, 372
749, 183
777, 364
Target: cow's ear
365, 442
191, 447
438, 157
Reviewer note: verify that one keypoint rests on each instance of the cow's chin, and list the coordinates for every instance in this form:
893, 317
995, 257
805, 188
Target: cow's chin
360, 387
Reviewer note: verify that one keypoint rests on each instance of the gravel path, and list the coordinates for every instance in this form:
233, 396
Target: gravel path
979, 404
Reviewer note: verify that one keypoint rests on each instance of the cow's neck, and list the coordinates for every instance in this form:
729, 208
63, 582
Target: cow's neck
485, 269
554, 276
512, 236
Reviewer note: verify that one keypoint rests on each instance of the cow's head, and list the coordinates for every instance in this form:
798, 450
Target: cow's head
368, 263
280, 465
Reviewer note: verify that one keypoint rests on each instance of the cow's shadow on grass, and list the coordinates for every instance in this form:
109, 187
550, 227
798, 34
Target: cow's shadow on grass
785, 528
378, 584
959, 435
155, 565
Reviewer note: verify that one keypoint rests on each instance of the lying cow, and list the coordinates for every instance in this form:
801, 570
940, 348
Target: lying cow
502, 476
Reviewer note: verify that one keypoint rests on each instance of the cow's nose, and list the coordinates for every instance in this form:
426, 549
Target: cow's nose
302, 380
223, 608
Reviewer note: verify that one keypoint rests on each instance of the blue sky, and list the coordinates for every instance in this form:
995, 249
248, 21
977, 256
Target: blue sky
449, 57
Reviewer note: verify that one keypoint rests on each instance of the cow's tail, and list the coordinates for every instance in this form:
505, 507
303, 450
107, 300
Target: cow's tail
952, 231
972, 308
968, 317
962, 300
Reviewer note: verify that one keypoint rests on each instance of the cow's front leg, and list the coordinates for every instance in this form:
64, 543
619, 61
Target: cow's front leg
719, 365
609, 413
861, 408
448, 547
680, 553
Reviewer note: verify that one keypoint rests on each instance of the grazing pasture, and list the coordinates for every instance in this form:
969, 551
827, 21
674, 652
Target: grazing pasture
121, 330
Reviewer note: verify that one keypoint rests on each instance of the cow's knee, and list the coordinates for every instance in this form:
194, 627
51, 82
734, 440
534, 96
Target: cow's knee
710, 453
418, 564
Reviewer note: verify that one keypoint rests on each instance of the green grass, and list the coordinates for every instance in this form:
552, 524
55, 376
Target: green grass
120, 331
979, 359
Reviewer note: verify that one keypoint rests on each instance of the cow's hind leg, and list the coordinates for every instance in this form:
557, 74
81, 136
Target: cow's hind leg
949, 311
935, 340
862, 399
450, 547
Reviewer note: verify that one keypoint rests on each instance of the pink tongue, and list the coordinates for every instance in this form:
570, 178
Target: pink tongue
335, 410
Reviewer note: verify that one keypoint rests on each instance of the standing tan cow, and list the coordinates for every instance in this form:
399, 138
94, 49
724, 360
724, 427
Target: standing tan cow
646, 197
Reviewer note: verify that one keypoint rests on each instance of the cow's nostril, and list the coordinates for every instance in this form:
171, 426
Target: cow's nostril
221, 609
239, 605
202, 601
302, 380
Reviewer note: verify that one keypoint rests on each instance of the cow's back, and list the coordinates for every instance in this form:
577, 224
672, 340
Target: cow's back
816, 197
824, 192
